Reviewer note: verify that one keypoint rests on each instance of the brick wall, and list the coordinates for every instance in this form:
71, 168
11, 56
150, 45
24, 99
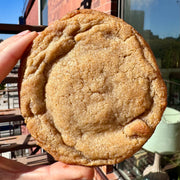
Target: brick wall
32, 18
102, 5
58, 8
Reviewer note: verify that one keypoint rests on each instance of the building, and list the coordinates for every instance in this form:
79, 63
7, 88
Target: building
43, 12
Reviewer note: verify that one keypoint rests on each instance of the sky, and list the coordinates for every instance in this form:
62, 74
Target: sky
162, 17
10, 10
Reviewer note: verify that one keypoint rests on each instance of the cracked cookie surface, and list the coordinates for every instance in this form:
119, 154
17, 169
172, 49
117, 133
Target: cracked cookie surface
91, 92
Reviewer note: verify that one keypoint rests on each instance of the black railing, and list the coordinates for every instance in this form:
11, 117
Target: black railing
16, 28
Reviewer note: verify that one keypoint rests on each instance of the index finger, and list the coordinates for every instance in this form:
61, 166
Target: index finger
13, 52
6, 42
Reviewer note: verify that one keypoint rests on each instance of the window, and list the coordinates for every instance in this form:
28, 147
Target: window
44, 12
158, 21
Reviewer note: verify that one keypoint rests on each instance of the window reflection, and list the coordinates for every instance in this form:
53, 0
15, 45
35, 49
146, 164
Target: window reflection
158, 21
44, 12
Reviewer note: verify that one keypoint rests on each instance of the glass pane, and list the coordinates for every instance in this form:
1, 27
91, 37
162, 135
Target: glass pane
44, 12
158, 21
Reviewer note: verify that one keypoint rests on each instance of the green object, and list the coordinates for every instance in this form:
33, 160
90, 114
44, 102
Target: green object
2, 86
166, 138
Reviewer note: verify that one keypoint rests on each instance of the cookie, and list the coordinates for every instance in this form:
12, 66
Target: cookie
91, 92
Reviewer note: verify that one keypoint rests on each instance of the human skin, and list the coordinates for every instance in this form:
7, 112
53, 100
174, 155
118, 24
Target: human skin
11, 51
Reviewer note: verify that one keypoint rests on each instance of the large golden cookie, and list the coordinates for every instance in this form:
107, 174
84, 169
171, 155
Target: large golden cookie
91, 92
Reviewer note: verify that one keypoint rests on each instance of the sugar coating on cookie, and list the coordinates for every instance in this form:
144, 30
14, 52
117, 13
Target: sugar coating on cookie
91, 92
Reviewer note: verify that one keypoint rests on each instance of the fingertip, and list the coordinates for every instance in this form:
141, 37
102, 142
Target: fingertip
23, 33
34, 33
29, 37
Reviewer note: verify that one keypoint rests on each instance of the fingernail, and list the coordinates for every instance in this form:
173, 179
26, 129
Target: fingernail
23, 33
34, 32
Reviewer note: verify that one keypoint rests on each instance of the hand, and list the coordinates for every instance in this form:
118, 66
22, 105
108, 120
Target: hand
11, 51
12, 170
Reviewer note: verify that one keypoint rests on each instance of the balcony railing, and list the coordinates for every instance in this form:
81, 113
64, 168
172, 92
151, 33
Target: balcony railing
11, 122
16, 28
